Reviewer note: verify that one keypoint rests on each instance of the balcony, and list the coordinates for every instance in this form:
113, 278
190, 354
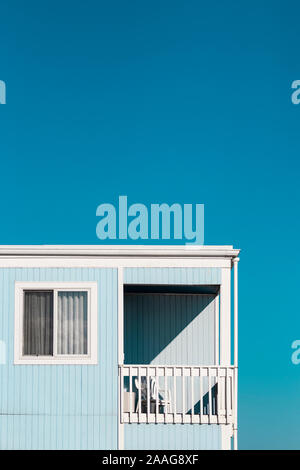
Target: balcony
177, 394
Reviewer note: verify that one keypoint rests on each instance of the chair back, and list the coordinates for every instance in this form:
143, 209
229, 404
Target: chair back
143, 386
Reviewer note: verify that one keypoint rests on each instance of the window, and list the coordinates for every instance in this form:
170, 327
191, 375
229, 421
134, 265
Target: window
56, 323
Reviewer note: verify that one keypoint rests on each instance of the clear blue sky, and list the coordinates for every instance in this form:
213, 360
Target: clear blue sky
167, 101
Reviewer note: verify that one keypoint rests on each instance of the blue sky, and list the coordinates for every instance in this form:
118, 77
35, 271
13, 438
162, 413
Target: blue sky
167, 101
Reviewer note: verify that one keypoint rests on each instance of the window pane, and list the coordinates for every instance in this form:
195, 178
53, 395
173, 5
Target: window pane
72, 323
38, 323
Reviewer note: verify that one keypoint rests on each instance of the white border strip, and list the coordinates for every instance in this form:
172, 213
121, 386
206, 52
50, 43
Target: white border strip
53, 262
118, 250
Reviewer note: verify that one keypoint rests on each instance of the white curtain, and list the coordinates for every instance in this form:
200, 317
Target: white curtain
72, 322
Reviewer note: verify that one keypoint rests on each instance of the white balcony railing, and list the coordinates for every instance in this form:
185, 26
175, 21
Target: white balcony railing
177, 394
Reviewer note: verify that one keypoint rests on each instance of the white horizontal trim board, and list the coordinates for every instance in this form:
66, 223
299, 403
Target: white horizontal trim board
119, 250
170, 369
91, 357
98, 256
94, 262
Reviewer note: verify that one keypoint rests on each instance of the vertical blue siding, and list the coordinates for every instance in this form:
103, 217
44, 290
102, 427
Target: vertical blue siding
172, 276
76, 407
169, 329
172, 436
60, 406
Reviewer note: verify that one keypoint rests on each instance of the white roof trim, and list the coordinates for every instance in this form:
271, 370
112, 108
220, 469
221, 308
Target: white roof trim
119, 251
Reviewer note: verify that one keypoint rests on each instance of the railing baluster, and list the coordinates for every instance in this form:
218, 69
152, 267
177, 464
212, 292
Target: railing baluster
139, 394
217, 399
233, 393
148, 395
130, 392
222, 393
156, 395
201, 394
174, 393
209, 395
183, 394
227, 395
122, 393
192, 393
165, 393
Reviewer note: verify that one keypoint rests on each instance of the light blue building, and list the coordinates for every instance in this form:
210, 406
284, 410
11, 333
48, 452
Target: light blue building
118, 347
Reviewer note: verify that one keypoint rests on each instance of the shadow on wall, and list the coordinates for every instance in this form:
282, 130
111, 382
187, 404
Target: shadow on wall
205, 403
169, 328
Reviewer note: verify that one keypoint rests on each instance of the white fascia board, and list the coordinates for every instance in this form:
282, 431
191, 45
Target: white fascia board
119, 251
112, 262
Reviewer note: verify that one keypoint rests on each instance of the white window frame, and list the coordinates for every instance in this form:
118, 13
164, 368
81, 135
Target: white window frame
91, 288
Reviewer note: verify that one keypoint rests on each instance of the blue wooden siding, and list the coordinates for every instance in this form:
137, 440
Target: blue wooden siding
172, 436
203, 276
169, 329
73, 406
60, 406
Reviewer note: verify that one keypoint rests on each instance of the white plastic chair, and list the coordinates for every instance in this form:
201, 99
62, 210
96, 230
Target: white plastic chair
155, 391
